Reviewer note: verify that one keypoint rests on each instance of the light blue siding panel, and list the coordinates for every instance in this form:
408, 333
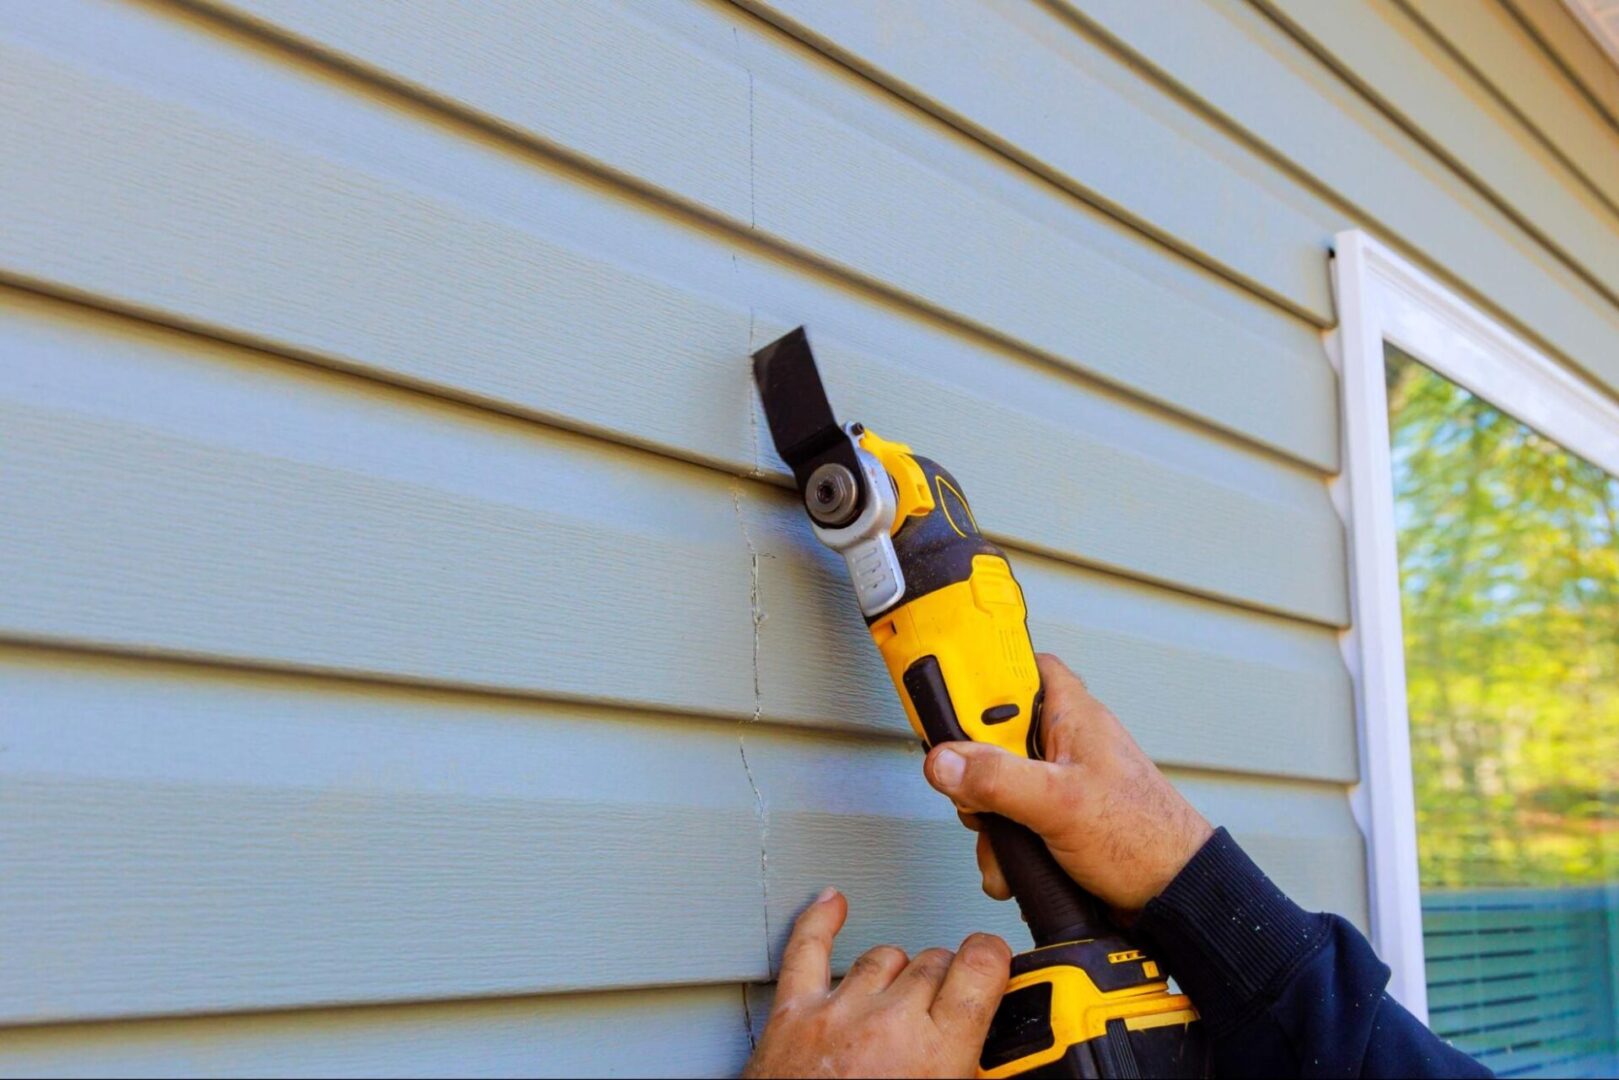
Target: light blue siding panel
177, 840
848, 177
867, 822
1303, 835
699, 1031
1561, 34
199, 502
329, 227
193, 498
554, 316
1012, 75
1507, 57
182, 839
1199, 683
1399, 65
1069, 473
410, 655
1249, 72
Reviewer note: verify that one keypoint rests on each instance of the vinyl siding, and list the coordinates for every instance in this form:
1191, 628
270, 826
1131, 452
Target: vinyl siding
1246, 71
692, 1031
1582, 60
411, 658
1504, 56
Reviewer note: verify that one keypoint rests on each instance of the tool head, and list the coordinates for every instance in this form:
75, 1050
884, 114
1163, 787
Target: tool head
850, 498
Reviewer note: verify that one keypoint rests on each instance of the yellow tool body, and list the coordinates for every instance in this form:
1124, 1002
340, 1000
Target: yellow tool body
948, 618
976, 629
969, 639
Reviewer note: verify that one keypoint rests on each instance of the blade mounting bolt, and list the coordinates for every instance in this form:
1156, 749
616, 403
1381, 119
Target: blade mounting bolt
831, 495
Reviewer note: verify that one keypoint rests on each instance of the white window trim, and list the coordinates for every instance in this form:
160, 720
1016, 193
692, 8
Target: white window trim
1381, 297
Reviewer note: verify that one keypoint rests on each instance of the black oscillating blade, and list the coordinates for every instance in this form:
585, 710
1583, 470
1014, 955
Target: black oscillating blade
806, 433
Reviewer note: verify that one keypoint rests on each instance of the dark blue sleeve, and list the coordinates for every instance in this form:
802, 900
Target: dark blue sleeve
1284, 992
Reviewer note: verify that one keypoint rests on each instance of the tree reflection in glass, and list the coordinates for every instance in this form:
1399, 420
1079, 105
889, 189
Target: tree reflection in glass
1509, 566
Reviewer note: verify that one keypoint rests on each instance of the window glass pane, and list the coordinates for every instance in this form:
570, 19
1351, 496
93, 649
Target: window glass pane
1509, 567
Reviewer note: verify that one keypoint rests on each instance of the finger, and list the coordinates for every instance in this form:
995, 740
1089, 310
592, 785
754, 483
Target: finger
873, 972
971, 820
972, 988
806, 962
1070, 712
989, 867
982, 777
919, 983
1057, 675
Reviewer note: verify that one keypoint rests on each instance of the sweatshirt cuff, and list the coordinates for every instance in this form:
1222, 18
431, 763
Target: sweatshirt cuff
1227, 934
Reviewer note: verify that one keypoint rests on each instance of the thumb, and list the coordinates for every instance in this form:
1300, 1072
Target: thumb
986, 778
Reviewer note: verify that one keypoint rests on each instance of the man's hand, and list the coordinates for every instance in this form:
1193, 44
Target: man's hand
890, 1016
1109, 816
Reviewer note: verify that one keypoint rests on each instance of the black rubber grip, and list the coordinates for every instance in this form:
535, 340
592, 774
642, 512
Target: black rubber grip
1056, 909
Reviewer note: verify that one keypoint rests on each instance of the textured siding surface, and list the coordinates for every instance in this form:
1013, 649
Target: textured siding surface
411, 658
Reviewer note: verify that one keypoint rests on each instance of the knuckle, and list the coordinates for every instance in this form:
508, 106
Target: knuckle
986, 954
878, 958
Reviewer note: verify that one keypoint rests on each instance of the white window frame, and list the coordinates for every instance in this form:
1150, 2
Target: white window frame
1382, 297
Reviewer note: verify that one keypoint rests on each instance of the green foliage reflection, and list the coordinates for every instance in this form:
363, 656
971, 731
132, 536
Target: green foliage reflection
1509, 564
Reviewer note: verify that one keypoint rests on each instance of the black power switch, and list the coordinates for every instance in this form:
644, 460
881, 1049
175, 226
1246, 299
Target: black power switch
924, 682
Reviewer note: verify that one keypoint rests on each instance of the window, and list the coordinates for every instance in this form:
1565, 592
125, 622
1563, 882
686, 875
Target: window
1480, 493
1508, 548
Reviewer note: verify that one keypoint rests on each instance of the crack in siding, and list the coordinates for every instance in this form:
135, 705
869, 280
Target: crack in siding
759, 806
755, 467
764, 851
755, 612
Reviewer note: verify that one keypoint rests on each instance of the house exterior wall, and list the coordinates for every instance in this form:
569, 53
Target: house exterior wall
413, 659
